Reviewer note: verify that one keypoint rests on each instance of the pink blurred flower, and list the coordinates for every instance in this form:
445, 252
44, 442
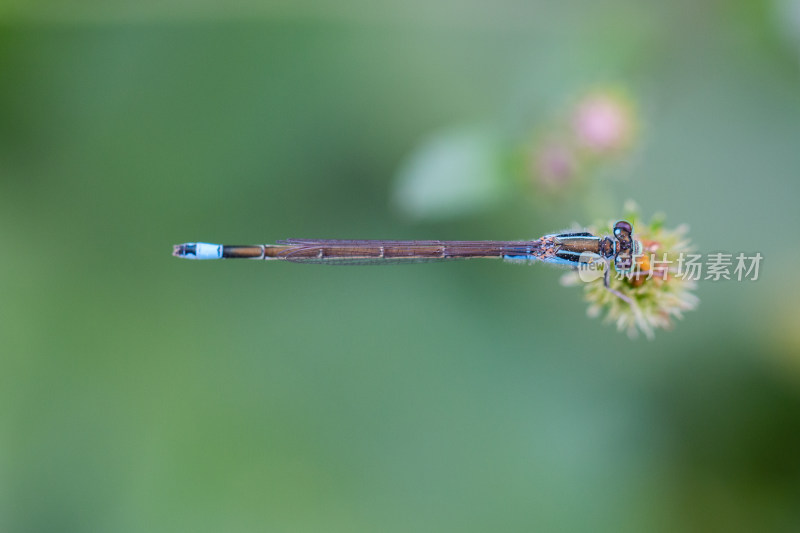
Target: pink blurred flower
603, 122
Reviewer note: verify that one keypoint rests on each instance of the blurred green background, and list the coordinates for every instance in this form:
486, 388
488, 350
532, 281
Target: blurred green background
139, 392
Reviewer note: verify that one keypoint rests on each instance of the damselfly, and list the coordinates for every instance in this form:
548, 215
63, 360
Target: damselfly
575, 250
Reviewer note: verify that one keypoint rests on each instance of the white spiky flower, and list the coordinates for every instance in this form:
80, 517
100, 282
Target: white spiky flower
657, 291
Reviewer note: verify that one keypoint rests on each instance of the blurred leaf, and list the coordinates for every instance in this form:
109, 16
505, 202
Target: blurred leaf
453, 173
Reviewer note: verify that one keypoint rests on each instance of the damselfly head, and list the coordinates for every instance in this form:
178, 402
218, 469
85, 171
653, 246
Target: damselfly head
625, 246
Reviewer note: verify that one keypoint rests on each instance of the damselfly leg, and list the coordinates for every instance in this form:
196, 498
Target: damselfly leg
612, 290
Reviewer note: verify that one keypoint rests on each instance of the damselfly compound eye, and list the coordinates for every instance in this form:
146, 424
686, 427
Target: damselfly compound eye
624, 226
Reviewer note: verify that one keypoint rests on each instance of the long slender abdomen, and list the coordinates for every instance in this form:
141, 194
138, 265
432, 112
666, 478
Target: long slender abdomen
359, 252
366, 252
